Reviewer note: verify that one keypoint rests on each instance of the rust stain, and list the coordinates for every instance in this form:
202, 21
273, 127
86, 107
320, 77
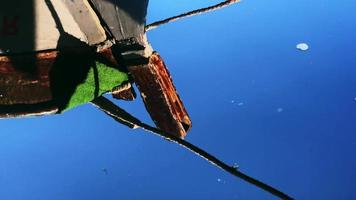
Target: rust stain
24, 78
172, 96
160, 96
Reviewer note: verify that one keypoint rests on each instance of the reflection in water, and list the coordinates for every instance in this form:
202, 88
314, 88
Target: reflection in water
65, 69
18, 31
124, 18
17, 26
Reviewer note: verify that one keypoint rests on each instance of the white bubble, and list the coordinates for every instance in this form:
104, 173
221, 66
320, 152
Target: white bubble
302, 46
279, 110
232, 101
219, 180
241, 104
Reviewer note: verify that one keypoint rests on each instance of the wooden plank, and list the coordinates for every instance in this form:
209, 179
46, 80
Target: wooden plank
27, 110
87, 20
25, 79
28, 81
15, 17
124, 92
160, 96
125, 18
28, 25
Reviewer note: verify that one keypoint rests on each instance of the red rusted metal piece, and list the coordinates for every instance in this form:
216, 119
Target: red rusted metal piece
160, 96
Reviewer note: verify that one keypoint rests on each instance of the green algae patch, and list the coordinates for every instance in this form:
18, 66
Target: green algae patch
100, 79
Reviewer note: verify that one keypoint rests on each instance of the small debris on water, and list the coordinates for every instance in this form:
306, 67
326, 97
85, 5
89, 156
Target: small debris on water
279, 110
302, 46
236, 166
238, 104
105, 171
219, 180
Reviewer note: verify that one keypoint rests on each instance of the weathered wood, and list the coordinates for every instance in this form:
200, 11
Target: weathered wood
29, 81
125, 19
28, 25
87, 20
160, 96
114, 111
27, 110
124, 92
24, 79
191, 13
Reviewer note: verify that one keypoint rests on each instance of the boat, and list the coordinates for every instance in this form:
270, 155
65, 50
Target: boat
57, 55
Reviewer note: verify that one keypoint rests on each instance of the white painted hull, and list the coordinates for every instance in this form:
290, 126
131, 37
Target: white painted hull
28, 26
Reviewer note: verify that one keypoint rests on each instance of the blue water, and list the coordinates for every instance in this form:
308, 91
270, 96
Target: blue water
287, 117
